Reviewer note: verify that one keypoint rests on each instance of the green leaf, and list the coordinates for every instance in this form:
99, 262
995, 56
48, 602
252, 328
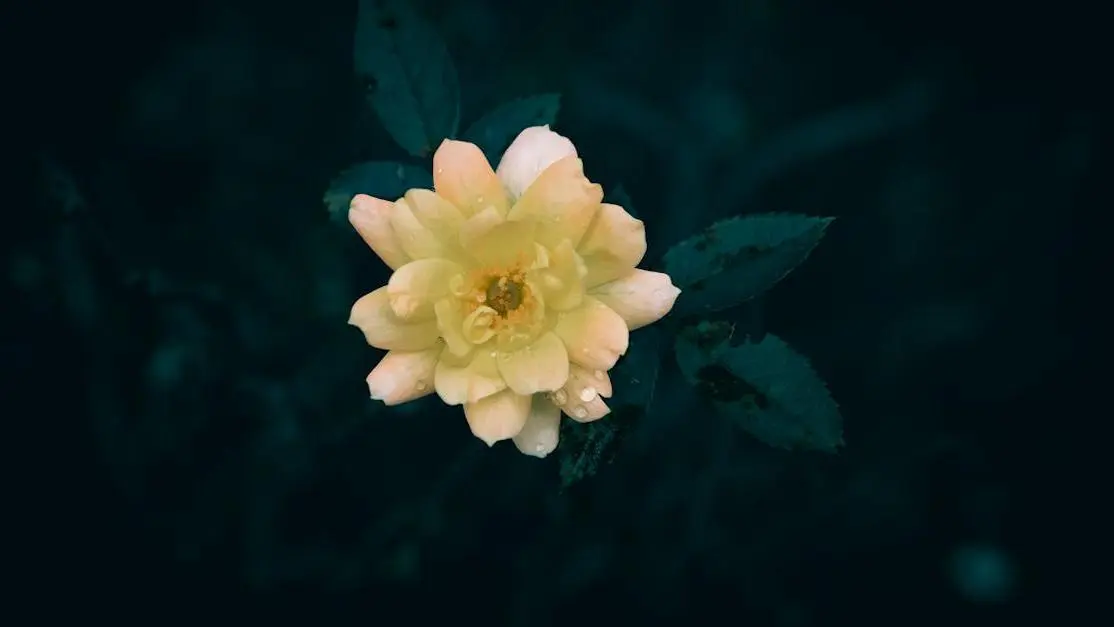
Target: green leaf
411, 81
739, 258
383, 179
766, 387
495, 130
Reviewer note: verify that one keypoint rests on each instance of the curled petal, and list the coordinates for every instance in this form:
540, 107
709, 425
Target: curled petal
414, 288
469, 379
562, 200
415, 239
373, 315
371, 218
450, 322
641, 297
562, 279
614, 244
497, 417
462, 175
542, 366
437, 215
534, 150
594, 335
403, 376
582, 396
540, 434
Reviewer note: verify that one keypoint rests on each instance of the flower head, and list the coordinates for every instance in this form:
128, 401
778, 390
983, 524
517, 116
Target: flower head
513, 290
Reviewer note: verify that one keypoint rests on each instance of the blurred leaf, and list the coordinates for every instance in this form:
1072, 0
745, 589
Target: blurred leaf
737, 259
383, 179
495, 130
769, 389
412, 83
619, 196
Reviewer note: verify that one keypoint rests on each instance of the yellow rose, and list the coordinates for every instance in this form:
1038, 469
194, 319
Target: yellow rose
513, 290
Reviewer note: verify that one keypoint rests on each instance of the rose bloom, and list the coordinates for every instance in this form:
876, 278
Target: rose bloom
513, 290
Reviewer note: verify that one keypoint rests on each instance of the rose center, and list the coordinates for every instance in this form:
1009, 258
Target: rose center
503, 295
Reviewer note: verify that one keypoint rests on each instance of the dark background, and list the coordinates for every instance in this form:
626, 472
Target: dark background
200, 426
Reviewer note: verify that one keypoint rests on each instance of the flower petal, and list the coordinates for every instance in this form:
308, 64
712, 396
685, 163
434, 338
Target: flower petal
438, 215
542, 366
414, 288
403, 376
450, 322
493, 241
562, 200
372, 219
534, 150
462, 175
540, 434
614, 244
415, 239
562, 278
498, 417
641, 298
469, 379
373, 315
594, 335
581, 398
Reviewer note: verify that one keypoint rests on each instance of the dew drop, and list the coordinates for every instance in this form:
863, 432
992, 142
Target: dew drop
600, 374
559, 397
587, 394
580, 412
421, 386
440, 170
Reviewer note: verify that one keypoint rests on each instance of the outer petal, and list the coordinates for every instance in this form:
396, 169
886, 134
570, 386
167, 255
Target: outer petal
438, 216
403, 376
414, 288
613, 245
562, 200
462, 175
383, 329
534, 150
418, 241
563, 278
469, 379
594, 334
498, 417
541, 433
641, 298
372, 219
582, 396
539, 367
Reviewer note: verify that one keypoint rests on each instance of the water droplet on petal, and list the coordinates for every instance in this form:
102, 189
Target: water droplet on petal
580, 412
587, 394
440, 170
421, 386
559, 397
539, 447
600, 374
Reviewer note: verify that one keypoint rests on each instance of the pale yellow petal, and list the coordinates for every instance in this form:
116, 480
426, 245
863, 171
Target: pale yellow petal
542, 366
562, 278
531, 152
438, 216
562, 200
540, 434
498, 417
640, 298
415, 288
373, 315
371, 218
469, 379
450, 322
403, 376
491, 240
594, 335
418, 241
614, 244
462, 175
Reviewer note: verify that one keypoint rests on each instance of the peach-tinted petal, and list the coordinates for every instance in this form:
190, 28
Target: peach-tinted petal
373, 315
497, 417
613, 245
372, 219
414, 288
562, 278
562, 200
539, 367
594, 335
534, 150
437, 215
540, 434
469, 379
418, 241
641, 298
491, 240
403, 376
581, 398
586, 411
462, 175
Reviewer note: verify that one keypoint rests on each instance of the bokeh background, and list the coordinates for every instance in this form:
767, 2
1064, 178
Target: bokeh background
206, 428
